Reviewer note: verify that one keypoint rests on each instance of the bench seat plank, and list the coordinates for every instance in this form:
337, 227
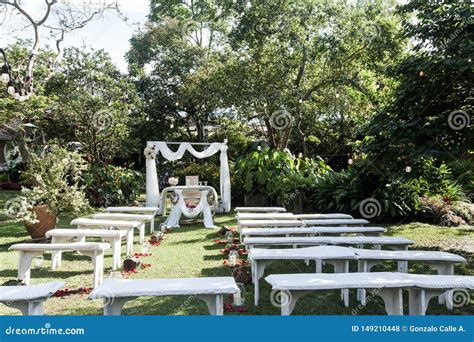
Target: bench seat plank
74, 246
412, 255
210, 289
152, 210
323, 216
335, 222
265, 216
311, 230
270, 223
260, 209
65, 232
392, 242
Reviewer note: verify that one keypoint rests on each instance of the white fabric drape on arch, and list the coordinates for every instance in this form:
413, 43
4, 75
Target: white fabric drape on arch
152, 187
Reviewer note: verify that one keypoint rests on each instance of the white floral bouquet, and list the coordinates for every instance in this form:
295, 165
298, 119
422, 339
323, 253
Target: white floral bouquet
150, 152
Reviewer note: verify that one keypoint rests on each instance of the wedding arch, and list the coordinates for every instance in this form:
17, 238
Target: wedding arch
155, 147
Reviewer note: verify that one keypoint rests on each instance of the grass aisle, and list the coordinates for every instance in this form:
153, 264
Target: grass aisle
191, 252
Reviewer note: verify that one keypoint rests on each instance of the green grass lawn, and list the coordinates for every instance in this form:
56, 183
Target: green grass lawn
191, 252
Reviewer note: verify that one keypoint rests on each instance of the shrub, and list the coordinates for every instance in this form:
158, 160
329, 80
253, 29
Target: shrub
107, 185
398, 195
438, 210
56, 181
278, 173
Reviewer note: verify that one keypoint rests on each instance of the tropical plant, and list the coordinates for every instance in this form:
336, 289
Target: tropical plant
277, 173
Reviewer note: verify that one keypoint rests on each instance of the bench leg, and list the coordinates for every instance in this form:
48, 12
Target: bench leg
113, 306
215, 303
445, 269
419, 300
24, 265
56, 256
258, 269
152, 225
319, 266
393, 300
364, 266
129, 242
141, 229
341, 266
116, 245
402, 266
98, 263
28, 308
289, 299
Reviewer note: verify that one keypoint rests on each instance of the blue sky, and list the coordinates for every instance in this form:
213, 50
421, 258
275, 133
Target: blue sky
109, 33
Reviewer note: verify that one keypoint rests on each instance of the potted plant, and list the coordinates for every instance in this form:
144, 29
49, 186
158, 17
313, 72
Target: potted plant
56, 187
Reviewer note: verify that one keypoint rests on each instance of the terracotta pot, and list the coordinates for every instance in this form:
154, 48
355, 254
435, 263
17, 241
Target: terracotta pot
47, 221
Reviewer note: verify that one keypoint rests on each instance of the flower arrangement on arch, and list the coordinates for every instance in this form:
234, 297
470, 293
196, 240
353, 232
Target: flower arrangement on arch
149, 152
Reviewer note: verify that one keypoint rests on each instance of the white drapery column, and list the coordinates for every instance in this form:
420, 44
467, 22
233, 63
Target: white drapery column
152, 188
152, 185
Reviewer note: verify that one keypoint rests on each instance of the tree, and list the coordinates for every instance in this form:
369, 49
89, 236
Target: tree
60, 18
430, 113
299, 64
175, 60
100, 105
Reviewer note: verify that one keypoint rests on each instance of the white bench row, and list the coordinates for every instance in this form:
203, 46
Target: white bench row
290, 216
260, 209
395, 243
386, 285
248, 232
339, 258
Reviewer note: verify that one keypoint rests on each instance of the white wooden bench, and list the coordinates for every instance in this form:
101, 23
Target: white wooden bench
335, 222
442, 262
323, 216
27, 251
395, 243
260, 209
386, 285
265, 216
311, 231
114, 237
116, 292
143, 218
338, 257
129, 226
29, 299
